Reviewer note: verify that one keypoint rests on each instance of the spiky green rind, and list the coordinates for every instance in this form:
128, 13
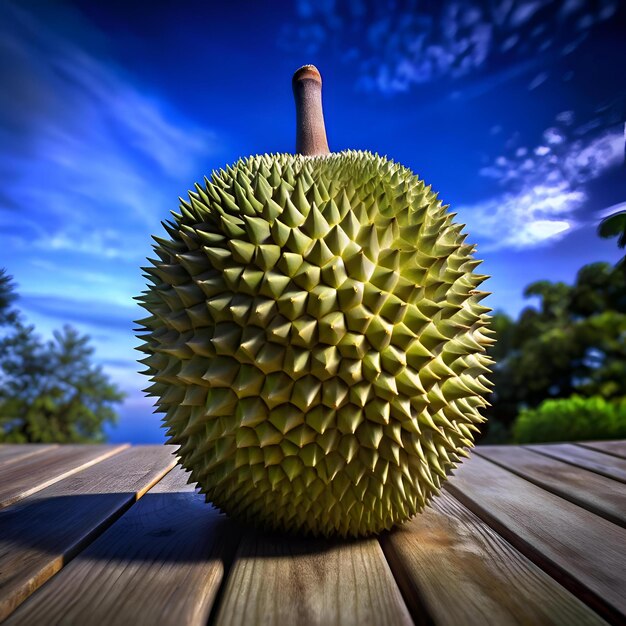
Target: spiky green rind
316, 341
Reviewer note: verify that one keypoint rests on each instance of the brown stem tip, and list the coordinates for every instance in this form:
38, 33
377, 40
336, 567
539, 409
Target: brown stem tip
310, 130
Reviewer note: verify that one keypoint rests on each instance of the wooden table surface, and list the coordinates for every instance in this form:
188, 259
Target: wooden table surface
114, 535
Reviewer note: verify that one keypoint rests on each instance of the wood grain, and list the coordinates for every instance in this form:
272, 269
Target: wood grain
11, 452
584, 552
44, 531
160, 563
598, 462
598, 494
20, 480
451, 565
277, 580
616, 448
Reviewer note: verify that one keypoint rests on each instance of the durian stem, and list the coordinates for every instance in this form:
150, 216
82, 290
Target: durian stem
310, 130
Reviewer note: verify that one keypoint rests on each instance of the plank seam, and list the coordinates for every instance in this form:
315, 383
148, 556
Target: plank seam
559, 574
57, 564
228, 557
594, 449
142, 492
411, 594
597, 471
75, 470
26, 455
76, 549
555, 491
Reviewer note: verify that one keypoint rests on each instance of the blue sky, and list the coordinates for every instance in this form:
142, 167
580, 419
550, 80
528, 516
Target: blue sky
512, 109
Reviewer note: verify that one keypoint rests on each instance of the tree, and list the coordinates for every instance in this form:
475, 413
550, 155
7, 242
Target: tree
573, 342
50, 391
615, 226
8, 315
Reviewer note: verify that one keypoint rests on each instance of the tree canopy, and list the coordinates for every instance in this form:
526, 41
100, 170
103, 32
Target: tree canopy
50, 391
615, 226
572, 342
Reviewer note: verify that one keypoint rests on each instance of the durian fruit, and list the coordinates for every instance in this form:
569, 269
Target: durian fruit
315, 337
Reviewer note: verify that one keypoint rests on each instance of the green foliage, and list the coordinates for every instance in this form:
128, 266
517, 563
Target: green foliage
572, 342
49, 390
615, 226
8, 315
571, 419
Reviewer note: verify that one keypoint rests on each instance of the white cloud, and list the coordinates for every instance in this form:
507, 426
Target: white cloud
523, 220
542, 189
92, 277
396, 49
538, 80
545, 229
572, 6
565, 117
524, 11
101, 244
587, 160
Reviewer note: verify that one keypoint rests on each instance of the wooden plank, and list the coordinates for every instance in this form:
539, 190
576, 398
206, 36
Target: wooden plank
20, 480
598, 494
11, 452
584, 552
160, 563
603, 464
453, 567
616, 448
277, 580
44, 531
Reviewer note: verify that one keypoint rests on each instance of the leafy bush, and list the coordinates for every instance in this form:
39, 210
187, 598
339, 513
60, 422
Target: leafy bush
571, 419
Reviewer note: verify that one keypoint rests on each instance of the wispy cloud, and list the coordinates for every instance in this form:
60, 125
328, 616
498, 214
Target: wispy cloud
95, 160
398, 45
102, 244
543, 187
92, 312
80, 274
